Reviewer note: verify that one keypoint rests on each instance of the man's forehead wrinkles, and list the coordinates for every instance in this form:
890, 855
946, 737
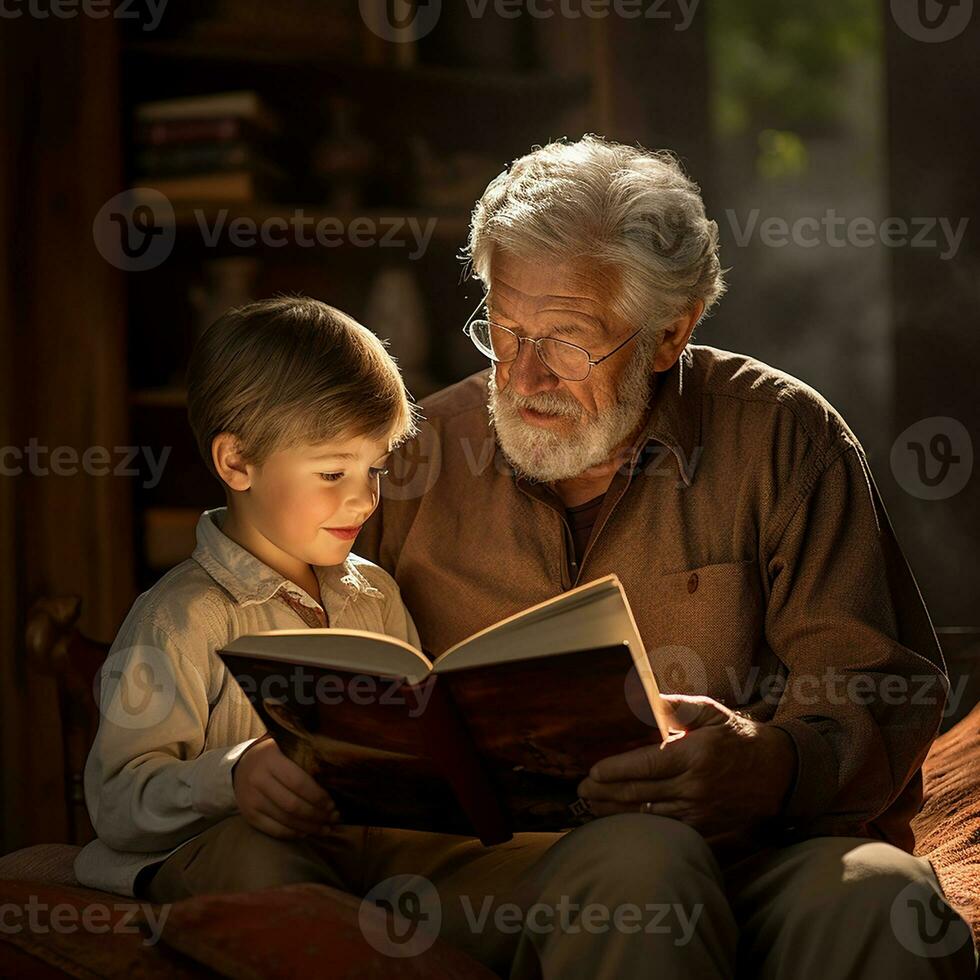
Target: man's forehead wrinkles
503, 291
586, 306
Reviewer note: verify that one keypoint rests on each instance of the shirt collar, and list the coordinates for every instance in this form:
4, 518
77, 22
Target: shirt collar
675, 416
248, 580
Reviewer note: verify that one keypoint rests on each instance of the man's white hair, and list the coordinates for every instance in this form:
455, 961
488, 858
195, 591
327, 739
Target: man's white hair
628, 208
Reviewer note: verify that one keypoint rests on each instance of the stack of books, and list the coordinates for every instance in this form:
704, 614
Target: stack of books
208, 148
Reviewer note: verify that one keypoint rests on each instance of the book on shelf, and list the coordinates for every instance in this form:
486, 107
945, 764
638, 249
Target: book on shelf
490, 738
177, 132
211, 156
244, 105
301, 27
233, 187
208, 148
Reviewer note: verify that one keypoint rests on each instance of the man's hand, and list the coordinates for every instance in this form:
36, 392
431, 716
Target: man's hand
279, 798
724, 773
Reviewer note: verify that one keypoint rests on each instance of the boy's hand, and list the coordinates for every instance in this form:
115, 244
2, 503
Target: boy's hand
279, 798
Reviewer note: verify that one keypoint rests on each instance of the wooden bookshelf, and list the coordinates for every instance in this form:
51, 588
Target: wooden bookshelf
108, 347
547, 88
439, 130
451, 225
496, 112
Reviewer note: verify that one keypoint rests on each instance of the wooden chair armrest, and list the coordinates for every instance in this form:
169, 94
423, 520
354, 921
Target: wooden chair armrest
57, 648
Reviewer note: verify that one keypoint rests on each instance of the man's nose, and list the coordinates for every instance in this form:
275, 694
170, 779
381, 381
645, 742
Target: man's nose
527, 375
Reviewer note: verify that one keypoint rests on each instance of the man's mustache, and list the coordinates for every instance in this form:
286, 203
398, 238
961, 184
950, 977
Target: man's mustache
545, 403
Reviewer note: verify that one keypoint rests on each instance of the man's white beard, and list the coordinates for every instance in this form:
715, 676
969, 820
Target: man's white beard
547, 456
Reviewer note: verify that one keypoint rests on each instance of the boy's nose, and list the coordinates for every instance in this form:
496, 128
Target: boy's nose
363, 500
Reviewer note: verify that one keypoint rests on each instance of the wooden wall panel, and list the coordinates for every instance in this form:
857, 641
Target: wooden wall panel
934, 158
64, 337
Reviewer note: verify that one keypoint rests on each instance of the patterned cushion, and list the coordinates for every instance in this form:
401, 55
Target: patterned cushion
947, 829
306, 930
58, 931
50, 863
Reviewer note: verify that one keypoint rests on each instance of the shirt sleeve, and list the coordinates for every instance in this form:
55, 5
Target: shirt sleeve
398, 620
148, 784
865, 685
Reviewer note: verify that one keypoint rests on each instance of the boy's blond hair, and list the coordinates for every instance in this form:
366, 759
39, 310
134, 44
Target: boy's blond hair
293, 371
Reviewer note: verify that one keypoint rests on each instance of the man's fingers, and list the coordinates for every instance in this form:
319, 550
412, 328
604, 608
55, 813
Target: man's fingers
646, 762
696, 710
633, 791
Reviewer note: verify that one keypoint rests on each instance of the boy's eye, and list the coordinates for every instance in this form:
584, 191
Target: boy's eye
376, 471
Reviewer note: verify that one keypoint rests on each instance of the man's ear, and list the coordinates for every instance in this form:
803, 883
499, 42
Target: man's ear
226, 454
676, 335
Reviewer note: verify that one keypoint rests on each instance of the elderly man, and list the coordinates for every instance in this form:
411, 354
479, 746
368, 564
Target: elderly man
737, 509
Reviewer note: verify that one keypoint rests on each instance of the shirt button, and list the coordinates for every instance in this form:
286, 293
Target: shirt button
692, 582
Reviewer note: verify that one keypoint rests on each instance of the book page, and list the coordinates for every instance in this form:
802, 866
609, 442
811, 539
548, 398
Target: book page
357, 651
591, 616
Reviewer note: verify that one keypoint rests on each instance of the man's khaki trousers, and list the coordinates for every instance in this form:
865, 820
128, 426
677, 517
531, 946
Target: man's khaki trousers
627, 896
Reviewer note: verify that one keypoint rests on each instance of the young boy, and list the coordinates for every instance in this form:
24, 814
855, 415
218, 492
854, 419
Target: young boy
295, 408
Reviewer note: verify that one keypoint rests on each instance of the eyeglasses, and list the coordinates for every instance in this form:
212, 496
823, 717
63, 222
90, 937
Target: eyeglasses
502, 345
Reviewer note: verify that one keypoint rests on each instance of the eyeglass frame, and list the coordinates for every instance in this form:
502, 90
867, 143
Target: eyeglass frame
536, 341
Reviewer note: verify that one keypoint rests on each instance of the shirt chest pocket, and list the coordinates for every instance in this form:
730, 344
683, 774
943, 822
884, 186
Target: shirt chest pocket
709, 625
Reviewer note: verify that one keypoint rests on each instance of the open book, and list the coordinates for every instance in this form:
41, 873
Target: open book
490, 739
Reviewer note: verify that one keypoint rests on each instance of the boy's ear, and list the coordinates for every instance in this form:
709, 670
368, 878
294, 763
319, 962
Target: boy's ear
226, 454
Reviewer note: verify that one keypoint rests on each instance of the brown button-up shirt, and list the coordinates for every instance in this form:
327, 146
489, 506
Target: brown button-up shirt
755, 552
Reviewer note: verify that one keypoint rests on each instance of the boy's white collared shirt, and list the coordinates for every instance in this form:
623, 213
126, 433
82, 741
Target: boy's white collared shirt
248, 580
173, 721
